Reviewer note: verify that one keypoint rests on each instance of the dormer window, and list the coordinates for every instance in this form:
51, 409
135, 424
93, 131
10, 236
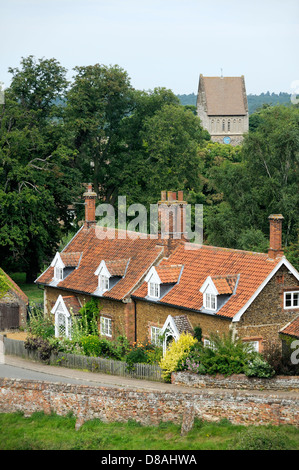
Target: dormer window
103, 283
210, 301
154, 290
58, 273
109, 273
161, 279
65, 263
216, 290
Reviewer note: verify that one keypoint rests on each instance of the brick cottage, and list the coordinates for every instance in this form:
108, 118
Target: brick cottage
146, 286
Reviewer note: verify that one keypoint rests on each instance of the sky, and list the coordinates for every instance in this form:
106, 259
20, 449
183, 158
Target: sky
160, 43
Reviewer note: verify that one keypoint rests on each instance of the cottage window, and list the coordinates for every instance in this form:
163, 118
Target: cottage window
209, 344
291, 299
223, 125
58, 273
154, 290
210, 301
255, 345
155, 335
103, 283
106, 326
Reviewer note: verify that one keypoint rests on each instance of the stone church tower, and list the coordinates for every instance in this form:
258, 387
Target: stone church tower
223, 109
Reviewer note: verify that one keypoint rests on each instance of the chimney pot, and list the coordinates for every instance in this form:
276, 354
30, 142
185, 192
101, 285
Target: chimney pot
163, 195
180, 195
275, 248
90, 205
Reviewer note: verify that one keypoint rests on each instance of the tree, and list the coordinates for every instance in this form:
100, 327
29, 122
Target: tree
164, 155
37, 182
265, 181
97, 102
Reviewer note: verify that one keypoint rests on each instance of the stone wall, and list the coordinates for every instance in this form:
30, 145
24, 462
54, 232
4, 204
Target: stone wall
152, 314
265, 317
235, 382
148, 408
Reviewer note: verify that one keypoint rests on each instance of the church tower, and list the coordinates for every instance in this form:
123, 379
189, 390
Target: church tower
223, 109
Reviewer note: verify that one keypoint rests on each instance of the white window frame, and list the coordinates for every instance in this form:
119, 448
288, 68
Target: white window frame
103, 283
292, 294
255, 345
210, 301
155, 335
106, 326
207, 343
58, 273
154, 290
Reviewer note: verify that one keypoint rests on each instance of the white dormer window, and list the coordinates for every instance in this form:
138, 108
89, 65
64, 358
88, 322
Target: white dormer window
103, 277
154, 290
58, 273
103, 282
153, 284
209, 295
58, 266
210, 301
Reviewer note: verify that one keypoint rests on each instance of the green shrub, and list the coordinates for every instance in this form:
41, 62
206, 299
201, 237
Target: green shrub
261, 439
226, 356
86, 323
258, 367
146, 353
41, 345
39, 324
94, 346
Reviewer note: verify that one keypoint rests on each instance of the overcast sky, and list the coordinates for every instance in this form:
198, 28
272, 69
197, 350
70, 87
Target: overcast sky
160, 43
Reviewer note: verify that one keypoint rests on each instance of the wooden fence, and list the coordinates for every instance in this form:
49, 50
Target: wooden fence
94, 364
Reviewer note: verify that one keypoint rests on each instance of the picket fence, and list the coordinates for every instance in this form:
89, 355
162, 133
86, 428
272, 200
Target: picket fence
94, 364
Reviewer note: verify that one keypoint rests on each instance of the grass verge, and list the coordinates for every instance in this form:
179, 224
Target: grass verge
53, 432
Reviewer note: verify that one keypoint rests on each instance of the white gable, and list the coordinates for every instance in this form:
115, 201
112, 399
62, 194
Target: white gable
282, 262
209, 287
57, 261
103, 270
60, 306
152, 276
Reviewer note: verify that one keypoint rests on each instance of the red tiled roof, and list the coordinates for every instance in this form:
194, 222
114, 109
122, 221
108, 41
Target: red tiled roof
292, 328
117, 267
169, 274
70, 259
142, 253
203, 261
72, 304
225, 284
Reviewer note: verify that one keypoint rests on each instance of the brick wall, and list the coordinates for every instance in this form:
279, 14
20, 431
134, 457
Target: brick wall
148, 408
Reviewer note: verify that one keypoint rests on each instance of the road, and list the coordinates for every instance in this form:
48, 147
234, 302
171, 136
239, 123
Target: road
18, 368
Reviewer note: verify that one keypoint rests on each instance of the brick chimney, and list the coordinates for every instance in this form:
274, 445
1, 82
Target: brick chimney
172, 215
275, 248
90, 206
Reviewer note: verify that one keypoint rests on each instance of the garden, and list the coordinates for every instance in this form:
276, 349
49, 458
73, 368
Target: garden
225, 355
86, 340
